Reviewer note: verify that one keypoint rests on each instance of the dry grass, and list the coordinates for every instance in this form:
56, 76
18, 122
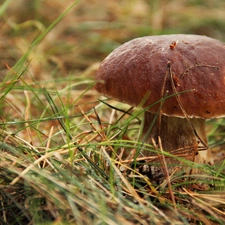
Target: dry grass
62, 149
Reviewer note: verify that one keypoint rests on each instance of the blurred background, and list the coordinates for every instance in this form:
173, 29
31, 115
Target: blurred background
93, 28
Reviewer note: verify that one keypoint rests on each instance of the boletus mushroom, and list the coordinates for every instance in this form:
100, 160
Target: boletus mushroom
179, 79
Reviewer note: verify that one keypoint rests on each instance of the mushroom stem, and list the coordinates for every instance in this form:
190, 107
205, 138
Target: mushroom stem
177, 134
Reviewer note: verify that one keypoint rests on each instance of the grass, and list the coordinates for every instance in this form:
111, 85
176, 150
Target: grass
64, 147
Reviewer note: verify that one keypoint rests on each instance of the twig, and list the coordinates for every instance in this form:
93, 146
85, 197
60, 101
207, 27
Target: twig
182, 107
161, 103
165, 170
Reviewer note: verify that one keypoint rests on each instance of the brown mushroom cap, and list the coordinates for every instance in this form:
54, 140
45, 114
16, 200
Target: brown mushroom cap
193, 64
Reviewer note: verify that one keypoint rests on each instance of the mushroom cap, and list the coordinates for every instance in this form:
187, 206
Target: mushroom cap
187, 70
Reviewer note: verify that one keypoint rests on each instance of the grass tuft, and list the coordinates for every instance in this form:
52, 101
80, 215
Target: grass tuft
69, 156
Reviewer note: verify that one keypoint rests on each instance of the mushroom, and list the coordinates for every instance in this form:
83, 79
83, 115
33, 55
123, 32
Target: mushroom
179, 79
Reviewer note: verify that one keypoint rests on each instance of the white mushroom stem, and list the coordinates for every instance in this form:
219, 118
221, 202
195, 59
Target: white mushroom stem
178, 136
